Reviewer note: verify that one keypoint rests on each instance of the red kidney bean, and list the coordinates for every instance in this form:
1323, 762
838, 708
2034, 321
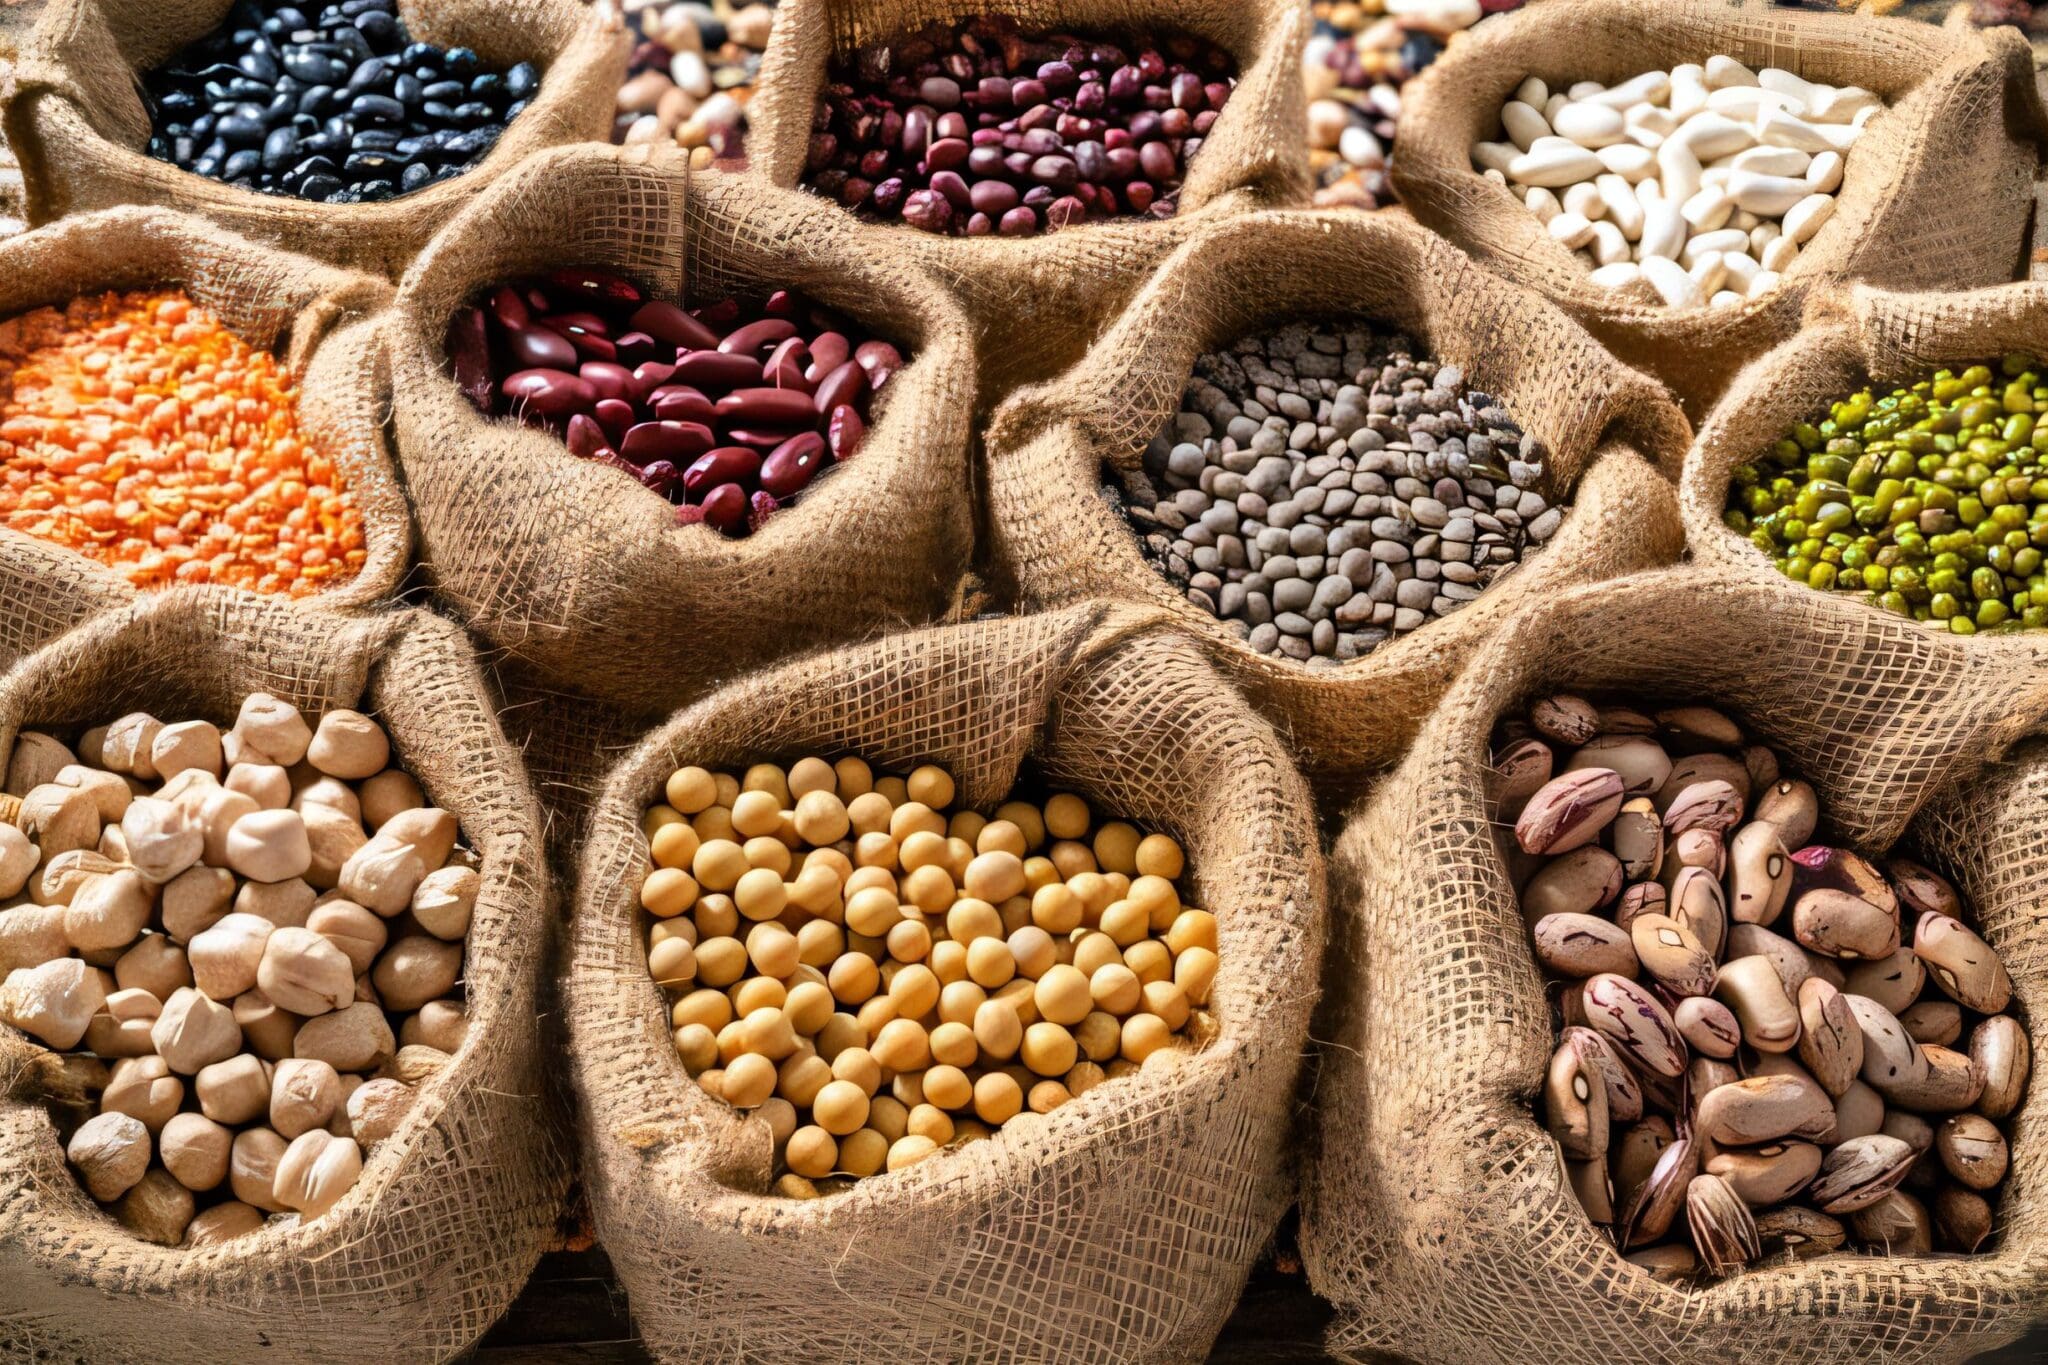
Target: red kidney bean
678, 441
608, 379
760, 438
844, 432
597, 288
661, 476
785, 367
616, 417
828, 353
792, 465
880, 360
648, 376
469, 347
754, 337
585, 437
680, 403
540, 349
726, 465
551, 393
710, 369
571, 323
845, 385
636, 348
666, 322
767, 407
509, 308
726, 507
760, 507
689, 514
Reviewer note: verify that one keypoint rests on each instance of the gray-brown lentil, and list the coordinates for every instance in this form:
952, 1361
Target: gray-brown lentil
1322, 490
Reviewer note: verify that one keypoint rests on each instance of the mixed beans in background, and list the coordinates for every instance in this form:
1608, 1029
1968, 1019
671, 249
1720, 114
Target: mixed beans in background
729, 410
691, 74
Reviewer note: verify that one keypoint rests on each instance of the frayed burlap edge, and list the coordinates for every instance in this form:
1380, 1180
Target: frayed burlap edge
1610, 431
1938, 194
311, 315
75, 117
453, 1210
1436, 1215
575, 569
1037, 303
1118, 1228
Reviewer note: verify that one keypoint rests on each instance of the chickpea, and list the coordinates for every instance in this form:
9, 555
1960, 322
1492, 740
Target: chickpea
1116, 988
802, 1078
721, 961
1018, 995
909, 940
869, 813
954, 1045
1167, 1001
1159, 856
970, 919
808, 775
927, 1120
809, 1005
989, 963
997, 1029
857, 1066
697, 1047
997, 1098
772, 949
716, 917
766, 1031
872, 912
719, 864
1047, 1096
995, 877
922, 848
842, 1033
1090, 953
672, 963
715, 823
768, 853
1056, 908
811, 1152
657, 818
966, 826
902, 1045
819, 943
1083, 1078
1116, 847
780, 1116
1149, 958
668, 891
1071, 859
875, 1013
674, 845
769, 779
863, 1153
876, 850
1062, 995
959, 1000
1033, 950
756, 813
948, 1087
1192, 929
888, 1116
1144, 1034
908, 1151
1066, 816
748, 1081
854, 778
709, 1008
691, 790
1100, 1035
1194, 971
908, 1088
912, 817
930, 785
929, 888
949, 961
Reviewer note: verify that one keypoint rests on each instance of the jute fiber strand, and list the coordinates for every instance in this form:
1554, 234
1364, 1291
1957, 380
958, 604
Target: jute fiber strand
1037, 302
1855, 337
1436, 1215
312, 316
577, 570
1614, 435
453, 1209
1120, 1227
1937, 192
77, 119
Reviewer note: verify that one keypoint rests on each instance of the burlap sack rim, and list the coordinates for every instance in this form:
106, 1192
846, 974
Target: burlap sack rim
1079, 414
328, 325
1273, 168
50, 127
1436, 151
513, 873
1835, 332
674, 1131
1507, 1102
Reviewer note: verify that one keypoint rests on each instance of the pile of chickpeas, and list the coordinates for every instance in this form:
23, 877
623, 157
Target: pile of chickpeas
878, 976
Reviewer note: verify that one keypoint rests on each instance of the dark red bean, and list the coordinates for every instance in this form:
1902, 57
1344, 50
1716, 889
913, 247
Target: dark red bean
538, 348
763, 439
571, 323
637, 348
689, 514
755, 337
713, 370
785, 366
592, 288
845, 385
769, 407
585, 437
648, 376
828, 353
726, 506
844, 431
681, 403
666, 322
661, 476
678, 441
880, 360
509, 308
732, 465
608, 379
611, 459
551, 393
791, 466
1019, 222
759, 508
469, 347
616, 417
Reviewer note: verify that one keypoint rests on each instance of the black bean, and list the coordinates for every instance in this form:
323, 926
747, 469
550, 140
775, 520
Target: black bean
280, 149
243, 163
376, 109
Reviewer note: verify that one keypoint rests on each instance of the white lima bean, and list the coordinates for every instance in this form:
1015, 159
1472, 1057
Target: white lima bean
1709, 149
240, 924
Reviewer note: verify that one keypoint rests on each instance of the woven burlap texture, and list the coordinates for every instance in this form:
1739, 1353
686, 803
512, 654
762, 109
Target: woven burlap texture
453, 1210
1121, 1226
1938, 192
1615, 439
1852, 338
313, 316
1037, 302
77, 120
1437, 1216
576, 569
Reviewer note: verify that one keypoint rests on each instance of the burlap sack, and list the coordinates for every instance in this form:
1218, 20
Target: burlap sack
312, 316
76, 117
1851, 338
1118, 1228
1436, 1215
1057, 538
1938, 194
1036, 303
580, 572
453, 1209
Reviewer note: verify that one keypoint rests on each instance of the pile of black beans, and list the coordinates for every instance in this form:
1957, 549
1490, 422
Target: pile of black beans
336, 105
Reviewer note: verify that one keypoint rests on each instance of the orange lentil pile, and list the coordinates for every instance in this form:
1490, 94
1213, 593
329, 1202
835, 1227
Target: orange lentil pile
135, 428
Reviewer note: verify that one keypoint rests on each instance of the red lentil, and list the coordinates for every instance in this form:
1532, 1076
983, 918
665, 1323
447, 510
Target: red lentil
138, 430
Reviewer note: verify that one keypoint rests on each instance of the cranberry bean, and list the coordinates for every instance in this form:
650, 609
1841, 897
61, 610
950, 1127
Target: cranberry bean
772, 407
754, 337
666, 322
551, 393
677, 441
792, 465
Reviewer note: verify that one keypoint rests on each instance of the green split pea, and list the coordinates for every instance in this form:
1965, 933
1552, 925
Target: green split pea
1931, 501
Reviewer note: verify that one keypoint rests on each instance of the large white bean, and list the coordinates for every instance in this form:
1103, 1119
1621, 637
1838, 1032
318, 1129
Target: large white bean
1672, 282
1523, 123
1590, 125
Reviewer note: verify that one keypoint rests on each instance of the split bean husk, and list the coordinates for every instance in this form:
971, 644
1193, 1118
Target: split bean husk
1189, 1152
1433, 1172
77, 120
1057, 539
1936, 146
579, 574
471, 1181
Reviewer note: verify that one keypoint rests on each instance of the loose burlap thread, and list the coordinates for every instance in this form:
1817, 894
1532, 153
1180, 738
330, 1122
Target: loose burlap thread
312, 316
1121, 1226
1615, 440
77, 119
577, 570
1437, 1216
1852, 338
453, 1210
1937, 194
1036, 303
